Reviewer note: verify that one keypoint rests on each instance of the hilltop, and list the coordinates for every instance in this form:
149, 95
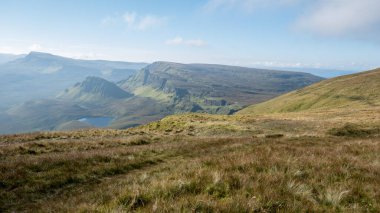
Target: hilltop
347, 92
94, 89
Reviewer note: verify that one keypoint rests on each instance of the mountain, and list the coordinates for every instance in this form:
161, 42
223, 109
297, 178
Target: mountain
355, 91
214, 85
162, 89
42, 75
4, 58
94, 89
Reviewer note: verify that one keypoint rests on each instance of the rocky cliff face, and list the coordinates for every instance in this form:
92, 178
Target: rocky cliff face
211, 83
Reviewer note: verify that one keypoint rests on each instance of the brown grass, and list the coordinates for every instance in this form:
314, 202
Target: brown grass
125, 171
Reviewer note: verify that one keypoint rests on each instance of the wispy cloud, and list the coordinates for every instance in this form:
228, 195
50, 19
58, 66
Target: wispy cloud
135, 21
150, 21
342, 17
347, 18
130, 18
190, 42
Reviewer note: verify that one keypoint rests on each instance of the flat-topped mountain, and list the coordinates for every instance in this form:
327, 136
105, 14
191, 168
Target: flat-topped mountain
38, 62
355, 91
238, 85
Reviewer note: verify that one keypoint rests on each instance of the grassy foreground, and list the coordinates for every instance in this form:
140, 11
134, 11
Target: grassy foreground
138, 170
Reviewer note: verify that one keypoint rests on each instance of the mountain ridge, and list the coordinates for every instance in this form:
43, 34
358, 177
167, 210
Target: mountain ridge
42, 75
166, 88
208, 80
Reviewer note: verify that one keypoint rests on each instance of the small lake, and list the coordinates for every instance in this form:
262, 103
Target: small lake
97, 121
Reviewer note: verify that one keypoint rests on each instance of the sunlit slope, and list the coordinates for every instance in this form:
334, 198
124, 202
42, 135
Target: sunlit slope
356, 91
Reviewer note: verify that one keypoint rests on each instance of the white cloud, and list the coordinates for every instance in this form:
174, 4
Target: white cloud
7, 49
35, 47
150, 21
245, 5
342, 17
196, 42
175, 41
349, 18
130, 18
191, 42
134, 21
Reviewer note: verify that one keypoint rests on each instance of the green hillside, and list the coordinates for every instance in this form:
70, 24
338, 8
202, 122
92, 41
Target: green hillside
94, 89
355, 91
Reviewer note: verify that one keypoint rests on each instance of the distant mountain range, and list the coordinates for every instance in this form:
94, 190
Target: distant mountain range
42, 75
4, 58
153, 92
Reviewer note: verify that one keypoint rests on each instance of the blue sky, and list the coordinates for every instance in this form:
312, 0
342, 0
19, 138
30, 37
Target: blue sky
334, 34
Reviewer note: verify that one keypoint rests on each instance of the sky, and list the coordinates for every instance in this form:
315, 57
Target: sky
328, 34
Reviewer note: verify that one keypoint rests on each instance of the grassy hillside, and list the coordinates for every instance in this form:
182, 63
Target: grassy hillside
134, 170
346, 92
305, 161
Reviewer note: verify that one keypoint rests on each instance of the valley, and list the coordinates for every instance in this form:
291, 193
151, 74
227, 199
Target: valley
140, 96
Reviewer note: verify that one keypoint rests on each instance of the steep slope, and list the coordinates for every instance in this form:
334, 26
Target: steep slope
94, 89
355, 91
42, 75
214, 85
